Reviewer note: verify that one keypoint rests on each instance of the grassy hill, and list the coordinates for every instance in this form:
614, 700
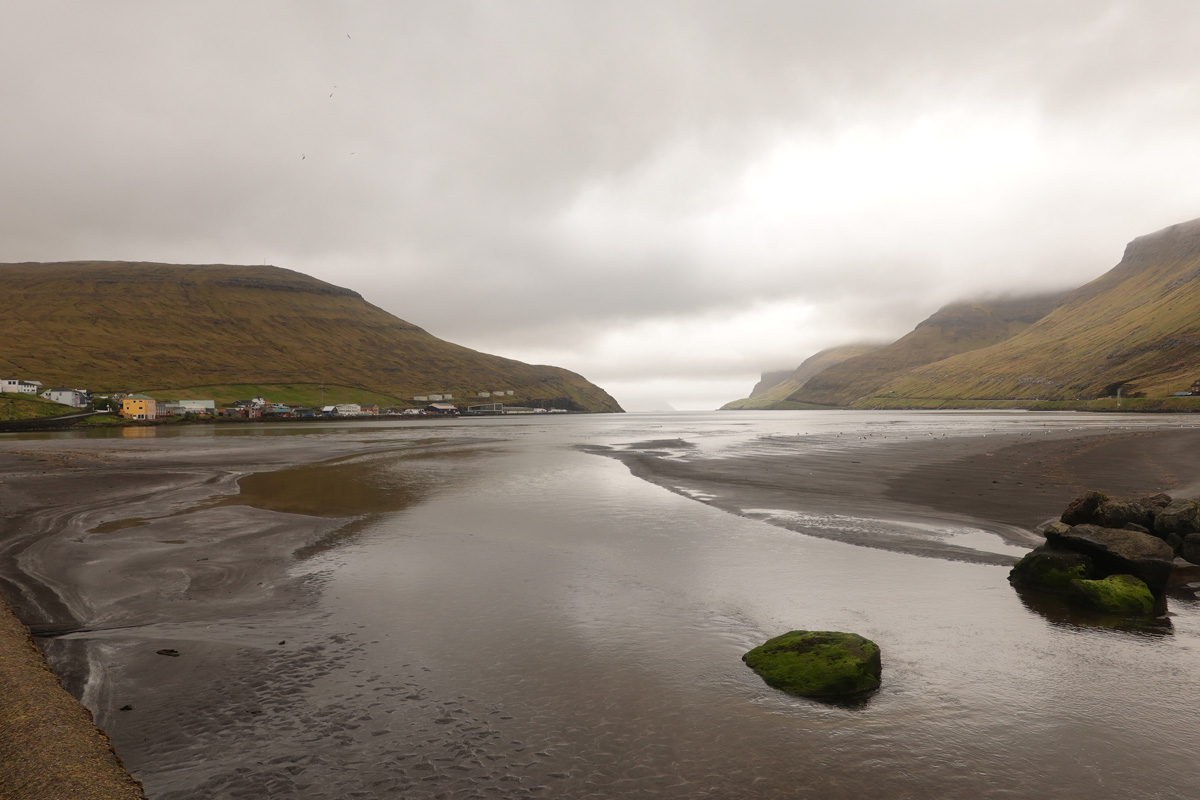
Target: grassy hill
174, 330
292, 394
956, 328
769, 380
24, 406
775, 388
1136, 328
1126, 340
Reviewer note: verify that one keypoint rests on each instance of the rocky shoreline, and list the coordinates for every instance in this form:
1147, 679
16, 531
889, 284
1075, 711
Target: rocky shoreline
1116, 557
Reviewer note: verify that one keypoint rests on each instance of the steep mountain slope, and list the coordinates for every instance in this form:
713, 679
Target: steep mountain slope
956, 328
142, 326
1136, 327
775, 387
769, 380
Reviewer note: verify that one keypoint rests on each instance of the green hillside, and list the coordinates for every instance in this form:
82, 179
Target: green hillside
24, 406
770, 380
111, 326
956, 328
1136, 328
291, 394
775, 388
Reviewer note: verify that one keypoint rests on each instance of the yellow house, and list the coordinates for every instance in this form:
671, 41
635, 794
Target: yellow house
138, 406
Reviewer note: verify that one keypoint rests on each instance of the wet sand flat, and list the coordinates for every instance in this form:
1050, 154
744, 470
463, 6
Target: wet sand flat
1028, 480
1005, 483
126, 546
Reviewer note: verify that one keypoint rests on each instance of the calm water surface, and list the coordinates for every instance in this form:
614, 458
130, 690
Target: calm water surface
533, 620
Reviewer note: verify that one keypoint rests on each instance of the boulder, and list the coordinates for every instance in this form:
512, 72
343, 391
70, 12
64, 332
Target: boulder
1154, 502
1117, 594
1115, 552
1173, 540
1181, 518
1082, 510
1119, 513
1056, 527
820, 664
1047, 569
1191, 548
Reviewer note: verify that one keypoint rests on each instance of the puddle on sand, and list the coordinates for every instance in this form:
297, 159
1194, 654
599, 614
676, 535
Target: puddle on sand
356, 486
346, 488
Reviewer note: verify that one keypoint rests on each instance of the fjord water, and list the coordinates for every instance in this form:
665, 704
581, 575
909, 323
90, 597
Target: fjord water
533, 620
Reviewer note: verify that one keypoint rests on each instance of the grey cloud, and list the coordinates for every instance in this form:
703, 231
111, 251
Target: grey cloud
426, 153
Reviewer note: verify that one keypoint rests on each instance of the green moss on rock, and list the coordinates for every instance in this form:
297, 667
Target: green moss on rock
1116, 594
1049, 570
822, 664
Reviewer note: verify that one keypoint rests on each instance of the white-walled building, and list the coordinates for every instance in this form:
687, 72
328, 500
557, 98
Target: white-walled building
74, 398
19, 386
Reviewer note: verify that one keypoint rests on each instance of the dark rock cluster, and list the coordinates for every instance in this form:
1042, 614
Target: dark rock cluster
1113, 556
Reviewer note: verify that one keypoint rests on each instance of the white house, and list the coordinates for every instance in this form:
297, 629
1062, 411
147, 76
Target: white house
348, 409
68, 397
22, 387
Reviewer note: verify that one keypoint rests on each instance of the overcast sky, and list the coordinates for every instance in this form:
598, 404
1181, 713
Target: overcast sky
666, 197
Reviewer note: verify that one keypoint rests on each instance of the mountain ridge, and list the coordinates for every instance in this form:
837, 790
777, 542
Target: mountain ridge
1135, 328
1132, 331
774, 392
119, 325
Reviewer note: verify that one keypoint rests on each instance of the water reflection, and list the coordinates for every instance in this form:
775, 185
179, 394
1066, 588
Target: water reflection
1058, 611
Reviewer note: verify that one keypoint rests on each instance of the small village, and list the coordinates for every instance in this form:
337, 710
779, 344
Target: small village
143, 408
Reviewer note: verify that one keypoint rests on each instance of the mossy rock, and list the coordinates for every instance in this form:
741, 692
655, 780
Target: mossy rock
1049, 570
821, 664
1119, 552
1116, 594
